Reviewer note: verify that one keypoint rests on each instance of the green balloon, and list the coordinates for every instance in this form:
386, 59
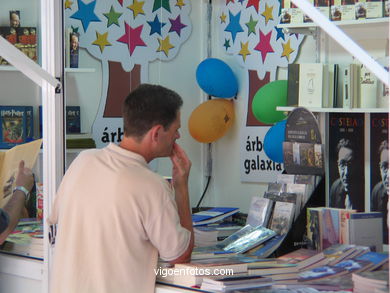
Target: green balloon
267, 98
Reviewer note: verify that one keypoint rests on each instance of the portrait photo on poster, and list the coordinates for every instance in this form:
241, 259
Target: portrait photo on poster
346, 160
379, 162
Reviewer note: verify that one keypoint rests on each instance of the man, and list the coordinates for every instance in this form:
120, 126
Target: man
347, 192
14, 18
12, 211
380, 192
115, 216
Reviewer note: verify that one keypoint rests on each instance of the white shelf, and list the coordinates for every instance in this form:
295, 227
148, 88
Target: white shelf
73, 70
338, 23
337, 110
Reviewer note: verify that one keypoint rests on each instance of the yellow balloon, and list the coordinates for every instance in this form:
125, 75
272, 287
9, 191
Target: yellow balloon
211, 120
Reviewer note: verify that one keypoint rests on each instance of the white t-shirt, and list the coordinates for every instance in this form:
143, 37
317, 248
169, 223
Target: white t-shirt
115, 217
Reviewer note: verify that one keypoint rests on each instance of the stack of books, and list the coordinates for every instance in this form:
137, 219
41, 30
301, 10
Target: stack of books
377, 281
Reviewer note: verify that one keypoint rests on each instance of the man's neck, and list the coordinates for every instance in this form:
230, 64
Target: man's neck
138, 147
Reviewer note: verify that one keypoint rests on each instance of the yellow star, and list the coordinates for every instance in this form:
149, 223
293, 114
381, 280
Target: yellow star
180, 3
68, 4
137, 8
287, 50
101, 41
223, 18
267, 13
165, 45
244, 50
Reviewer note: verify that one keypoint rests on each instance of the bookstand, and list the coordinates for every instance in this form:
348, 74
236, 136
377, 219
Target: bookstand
296, 237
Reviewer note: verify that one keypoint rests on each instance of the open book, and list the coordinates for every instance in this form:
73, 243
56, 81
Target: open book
9, 163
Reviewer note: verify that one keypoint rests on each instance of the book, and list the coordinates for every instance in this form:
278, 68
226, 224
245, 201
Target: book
298, 255
282, 217
267, 248
330, 228
9, 163
16, 125
360, 9
259, 211
368, 86
246, 238
376, 259
369, 281
207, 235
292, 84
234, 282
73, 124
74, 49
344, 215
321, 273
366, 229
304, 158
212, 215
314, 227
311, 77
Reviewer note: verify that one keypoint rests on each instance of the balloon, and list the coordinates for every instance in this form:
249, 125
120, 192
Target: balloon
273, 142
216, 78
211, 119
266, 100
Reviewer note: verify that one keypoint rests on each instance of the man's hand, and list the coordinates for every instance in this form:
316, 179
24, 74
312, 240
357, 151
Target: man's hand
181, 166
24, 177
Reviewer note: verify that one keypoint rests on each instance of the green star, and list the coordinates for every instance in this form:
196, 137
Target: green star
161, 3
112, 17
251, 26
226, 44
75, 29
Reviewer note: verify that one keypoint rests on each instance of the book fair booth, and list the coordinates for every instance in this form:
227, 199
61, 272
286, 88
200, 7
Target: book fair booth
285, 120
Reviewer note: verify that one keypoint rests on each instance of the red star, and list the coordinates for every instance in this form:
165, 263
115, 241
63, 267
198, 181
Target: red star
254, 3
132, 37
228, 1
264, 46
120, 2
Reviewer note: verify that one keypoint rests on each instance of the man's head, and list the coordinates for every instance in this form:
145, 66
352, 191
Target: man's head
346, 162
14, 19
384, 163
153, 107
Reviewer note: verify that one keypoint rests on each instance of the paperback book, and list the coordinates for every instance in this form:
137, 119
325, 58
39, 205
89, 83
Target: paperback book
213, 215
260, 210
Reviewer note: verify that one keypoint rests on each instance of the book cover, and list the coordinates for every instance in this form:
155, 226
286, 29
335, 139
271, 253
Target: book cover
285, 11
346, 160
260, 210
368, 87
335, 10
303, 158
296, 14
360, 9
74, 49
310, 84
348, 10
376, 259
73, 124
344, 216
268, 248
379, 166
321, 273
314, 227
212, 215
16, 125
282, 217
246, 238
366, 229
330, 228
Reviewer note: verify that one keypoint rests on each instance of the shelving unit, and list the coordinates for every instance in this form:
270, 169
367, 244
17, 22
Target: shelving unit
70, 70
338, 23
337, 110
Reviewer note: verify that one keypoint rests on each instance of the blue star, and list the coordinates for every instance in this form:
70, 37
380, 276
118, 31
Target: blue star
241, 1
280, 33
85, 13
234, 26
226, 44
155, 26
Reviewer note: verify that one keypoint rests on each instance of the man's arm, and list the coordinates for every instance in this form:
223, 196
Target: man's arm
15, 205
180, 173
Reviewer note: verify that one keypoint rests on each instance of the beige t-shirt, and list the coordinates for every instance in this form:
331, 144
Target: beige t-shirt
115, 216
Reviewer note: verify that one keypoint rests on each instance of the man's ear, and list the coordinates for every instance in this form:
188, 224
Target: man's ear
155, 132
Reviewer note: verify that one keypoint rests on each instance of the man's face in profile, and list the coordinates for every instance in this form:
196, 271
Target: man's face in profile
384, 167
346, 164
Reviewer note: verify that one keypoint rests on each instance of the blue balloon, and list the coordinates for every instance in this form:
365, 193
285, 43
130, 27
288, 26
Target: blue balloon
273, 141
216, 78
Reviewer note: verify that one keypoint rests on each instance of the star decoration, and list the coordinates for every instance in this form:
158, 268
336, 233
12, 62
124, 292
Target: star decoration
161, 3
244, 50
267, 13
280, 33
241, 1
228, 1
85, 13
287, 50
264, 45
176, 25
101, 41
155, 26
234, 26
74, 29
226, 44
180, 3
223, 17
165, 45
251, 26
112, 17
132, 38
68, 4
120, 2
254, 3
137, 8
